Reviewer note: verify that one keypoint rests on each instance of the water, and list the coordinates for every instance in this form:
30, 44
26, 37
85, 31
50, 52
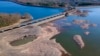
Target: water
36, 12
23, 41
92, 41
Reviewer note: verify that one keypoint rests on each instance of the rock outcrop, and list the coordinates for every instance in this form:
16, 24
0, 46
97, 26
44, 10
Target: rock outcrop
85, 26
93, 25
79, 41
87, 33
79, 21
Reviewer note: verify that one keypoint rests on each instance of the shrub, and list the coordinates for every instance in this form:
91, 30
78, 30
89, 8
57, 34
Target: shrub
9, 19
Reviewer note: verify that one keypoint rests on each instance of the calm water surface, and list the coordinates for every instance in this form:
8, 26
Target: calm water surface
36, 12
92, 41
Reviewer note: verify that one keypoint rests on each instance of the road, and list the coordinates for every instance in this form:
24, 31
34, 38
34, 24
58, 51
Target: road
37, 22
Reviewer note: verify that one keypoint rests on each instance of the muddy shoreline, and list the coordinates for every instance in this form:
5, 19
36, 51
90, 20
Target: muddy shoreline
44, 34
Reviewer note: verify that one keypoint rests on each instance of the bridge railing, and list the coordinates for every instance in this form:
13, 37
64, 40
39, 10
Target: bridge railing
49, 17
32, 22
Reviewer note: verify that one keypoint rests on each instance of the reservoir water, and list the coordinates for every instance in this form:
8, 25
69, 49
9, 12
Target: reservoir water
36, 12
65, 38
92, 41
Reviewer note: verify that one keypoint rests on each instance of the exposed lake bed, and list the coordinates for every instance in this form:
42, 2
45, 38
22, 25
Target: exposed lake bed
88, 27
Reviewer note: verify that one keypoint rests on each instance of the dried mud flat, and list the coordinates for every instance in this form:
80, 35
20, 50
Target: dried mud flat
43, 45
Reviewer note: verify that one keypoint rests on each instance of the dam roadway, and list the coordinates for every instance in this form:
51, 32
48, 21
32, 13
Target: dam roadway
36, 22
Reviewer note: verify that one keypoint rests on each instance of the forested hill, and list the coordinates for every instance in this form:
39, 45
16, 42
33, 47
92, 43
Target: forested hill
57, 3
4, 0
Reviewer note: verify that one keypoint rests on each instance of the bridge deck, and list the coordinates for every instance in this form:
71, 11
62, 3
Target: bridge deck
37, 22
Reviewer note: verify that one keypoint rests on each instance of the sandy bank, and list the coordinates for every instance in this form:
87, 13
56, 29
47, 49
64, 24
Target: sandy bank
42, 46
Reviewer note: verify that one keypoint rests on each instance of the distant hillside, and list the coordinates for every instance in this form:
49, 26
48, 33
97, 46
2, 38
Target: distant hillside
60, 3
44, 1
50, 3
4, 0
57, 3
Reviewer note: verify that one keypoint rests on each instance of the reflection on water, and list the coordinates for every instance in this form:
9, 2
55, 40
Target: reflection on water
92, 46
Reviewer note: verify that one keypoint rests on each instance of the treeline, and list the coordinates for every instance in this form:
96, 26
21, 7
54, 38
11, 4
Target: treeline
87, 4
9, 19
49, 4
